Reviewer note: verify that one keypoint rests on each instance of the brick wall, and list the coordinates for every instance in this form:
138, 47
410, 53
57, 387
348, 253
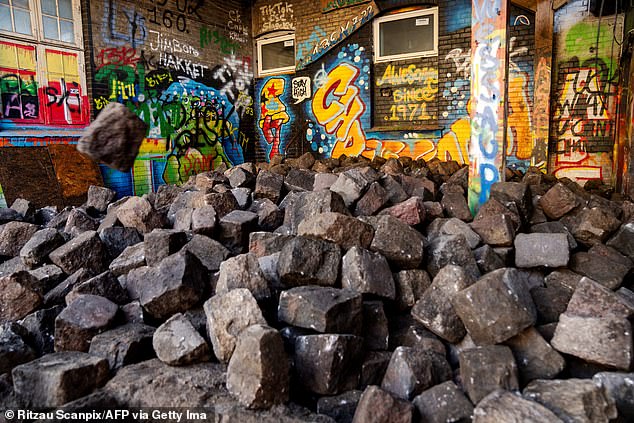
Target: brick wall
418, 107
454, 68
584, 93
185, 67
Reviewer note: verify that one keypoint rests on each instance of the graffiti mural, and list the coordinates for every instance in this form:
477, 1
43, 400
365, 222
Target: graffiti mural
486, 147
520, 132
584, 122
197, 110
204, 133
583, 130
274, 119
340, 117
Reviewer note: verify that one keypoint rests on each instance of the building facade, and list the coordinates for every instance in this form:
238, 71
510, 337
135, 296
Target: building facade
225, 82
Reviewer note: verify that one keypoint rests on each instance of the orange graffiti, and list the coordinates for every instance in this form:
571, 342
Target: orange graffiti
338, 108
453, 145
519, 133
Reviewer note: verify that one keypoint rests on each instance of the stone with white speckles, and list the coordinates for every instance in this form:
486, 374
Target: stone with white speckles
413, 370
443, 403
177, 343
323, 309
497, 307
328, 364
541, 249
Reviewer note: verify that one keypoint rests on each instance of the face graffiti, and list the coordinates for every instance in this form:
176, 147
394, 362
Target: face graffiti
195, 109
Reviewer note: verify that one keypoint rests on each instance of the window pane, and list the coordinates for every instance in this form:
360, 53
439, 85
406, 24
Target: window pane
4, 1
50, 28
278, 55
410, 35
67, 31
49, 7
5, 18
22, 21
24, 4
66, 9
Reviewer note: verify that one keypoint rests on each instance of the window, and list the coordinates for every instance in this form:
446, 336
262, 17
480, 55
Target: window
41, 63
406, 35
15, 16
276, 55
57, 20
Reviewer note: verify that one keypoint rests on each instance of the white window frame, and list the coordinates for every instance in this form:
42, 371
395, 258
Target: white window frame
37, 28
270, 40
433, 11
77, 32
34, 24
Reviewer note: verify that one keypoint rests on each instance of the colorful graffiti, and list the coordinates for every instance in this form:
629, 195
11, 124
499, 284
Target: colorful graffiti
203, 135
196, 111
340, 119
520, 135
28, 95
584, 125
198, 124
583, 130
412, 90
19, 96
273, 117
486, 148
320, 42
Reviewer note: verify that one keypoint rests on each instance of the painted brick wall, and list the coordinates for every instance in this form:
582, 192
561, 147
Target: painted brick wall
584, 93
320, 32
417, 108
454, 68
185, 67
